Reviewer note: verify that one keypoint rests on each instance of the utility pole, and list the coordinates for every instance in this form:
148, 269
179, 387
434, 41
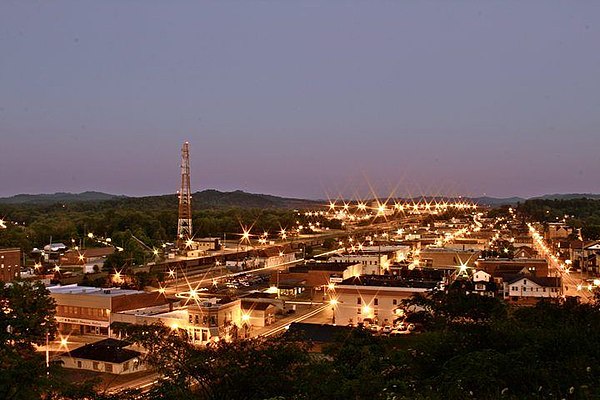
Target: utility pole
184, 222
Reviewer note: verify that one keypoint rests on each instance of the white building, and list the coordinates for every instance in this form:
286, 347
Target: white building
373, 263
109, 356
523, 287
481, 276
373, 298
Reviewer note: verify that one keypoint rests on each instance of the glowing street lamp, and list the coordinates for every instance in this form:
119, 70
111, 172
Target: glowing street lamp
367, 310
334, 303
246, 236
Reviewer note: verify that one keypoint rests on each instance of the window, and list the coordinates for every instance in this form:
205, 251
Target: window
394, 302
376, 302
543, 289
358, 310
108, 367
197, 319
126, 366
96, 366
79, 364
358, 300
190, 318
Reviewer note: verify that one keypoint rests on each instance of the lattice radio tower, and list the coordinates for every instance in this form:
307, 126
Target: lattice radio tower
184, 223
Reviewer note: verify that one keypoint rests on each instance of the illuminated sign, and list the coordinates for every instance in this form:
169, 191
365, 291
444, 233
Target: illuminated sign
64, 320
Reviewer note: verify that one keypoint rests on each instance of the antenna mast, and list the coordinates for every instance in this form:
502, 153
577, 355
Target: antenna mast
184, 223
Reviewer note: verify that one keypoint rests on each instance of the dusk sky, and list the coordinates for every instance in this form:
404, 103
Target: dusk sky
305, 99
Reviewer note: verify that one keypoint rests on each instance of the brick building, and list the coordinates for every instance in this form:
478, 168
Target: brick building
10, 264
88, 310
317, 274
536, 266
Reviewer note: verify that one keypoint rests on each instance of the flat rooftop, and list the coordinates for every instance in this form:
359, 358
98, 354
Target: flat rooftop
322, 266
92, 291
389, 281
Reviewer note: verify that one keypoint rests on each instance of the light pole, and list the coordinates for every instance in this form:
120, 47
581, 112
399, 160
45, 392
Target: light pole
333, 303
47, 355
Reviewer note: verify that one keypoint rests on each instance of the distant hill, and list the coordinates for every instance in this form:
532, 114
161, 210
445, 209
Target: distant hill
216, 199
200, 200
568, 196
497, 201
494, 201
60, 197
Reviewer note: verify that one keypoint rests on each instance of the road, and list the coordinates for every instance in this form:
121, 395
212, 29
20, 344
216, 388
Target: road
142, 383
282, 325
571, 285
213, 274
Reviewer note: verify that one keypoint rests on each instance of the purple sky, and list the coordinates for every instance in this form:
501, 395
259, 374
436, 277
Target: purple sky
304, 99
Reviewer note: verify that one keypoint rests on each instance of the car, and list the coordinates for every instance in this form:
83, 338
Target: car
374, 328
401, 326
411, 327
386, 329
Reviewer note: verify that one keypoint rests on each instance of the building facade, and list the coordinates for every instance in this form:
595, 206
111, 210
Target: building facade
88, 310
10, 264
377, 300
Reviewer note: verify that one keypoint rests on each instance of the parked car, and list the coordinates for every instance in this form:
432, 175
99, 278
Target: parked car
386, 329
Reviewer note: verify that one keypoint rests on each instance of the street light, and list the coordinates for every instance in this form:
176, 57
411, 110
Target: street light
334, 303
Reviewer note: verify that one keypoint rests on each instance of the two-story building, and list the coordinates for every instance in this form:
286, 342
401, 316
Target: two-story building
531, 288
373, 262
375, 299
10, 264
317, 273
88, 310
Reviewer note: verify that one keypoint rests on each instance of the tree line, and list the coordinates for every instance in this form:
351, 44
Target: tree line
32, 225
